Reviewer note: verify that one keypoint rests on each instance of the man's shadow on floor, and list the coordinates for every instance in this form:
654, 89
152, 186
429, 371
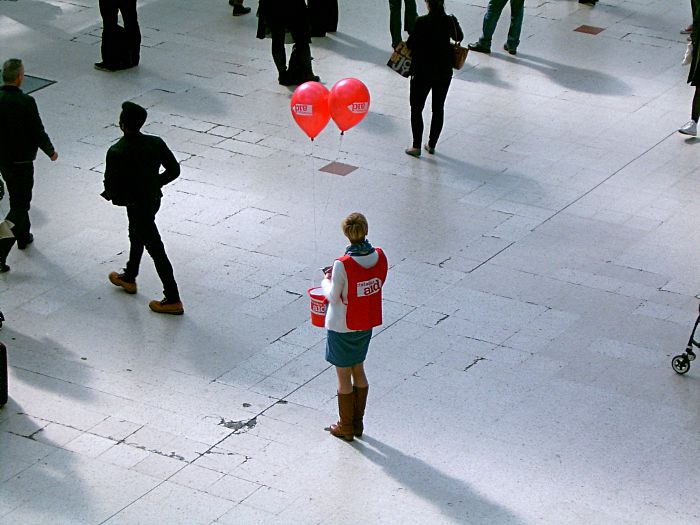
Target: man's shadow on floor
570, 77
350, 47
453, 497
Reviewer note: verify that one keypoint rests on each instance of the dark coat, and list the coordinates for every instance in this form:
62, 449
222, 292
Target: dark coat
291, 14
430, 45
132, 172
21, 130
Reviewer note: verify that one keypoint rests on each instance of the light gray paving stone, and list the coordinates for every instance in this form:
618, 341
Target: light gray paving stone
122, 455
196, 477
89, 445
175, 504
161, 465
63, 496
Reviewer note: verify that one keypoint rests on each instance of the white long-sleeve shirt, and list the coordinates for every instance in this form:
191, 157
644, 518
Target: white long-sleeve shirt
336, 291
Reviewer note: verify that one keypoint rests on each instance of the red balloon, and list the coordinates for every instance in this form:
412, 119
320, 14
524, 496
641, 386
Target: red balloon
310, 108
348, 102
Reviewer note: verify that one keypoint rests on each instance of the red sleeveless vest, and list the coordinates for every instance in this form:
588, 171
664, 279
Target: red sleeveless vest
364, 306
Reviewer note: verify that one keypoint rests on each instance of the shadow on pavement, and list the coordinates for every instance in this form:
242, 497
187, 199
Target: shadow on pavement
453, 497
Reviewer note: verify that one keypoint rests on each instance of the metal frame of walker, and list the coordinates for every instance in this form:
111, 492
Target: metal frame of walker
681, 363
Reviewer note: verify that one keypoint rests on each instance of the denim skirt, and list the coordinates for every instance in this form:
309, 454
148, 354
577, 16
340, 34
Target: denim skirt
346, 349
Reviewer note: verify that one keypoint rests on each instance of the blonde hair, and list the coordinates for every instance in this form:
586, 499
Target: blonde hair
355, 227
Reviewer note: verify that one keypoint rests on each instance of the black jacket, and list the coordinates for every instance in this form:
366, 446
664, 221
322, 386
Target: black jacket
21, 130
132, 173
430, 45
291, 14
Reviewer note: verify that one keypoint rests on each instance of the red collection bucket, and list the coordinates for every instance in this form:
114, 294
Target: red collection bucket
318, 307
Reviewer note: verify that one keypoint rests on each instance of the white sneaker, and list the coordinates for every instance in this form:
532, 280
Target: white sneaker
690, 128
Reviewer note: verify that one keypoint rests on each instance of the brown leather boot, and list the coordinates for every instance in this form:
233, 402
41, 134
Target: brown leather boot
360, 403
346, 407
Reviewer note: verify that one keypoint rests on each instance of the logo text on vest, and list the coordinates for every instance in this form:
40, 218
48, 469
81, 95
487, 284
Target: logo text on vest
370, 287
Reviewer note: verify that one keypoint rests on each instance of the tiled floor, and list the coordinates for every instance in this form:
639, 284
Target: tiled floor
543, 273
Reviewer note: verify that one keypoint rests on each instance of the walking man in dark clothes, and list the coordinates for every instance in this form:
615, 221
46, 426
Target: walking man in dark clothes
133, 179
21, 136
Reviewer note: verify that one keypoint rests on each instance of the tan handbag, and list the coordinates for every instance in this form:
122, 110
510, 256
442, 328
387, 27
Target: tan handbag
459, 55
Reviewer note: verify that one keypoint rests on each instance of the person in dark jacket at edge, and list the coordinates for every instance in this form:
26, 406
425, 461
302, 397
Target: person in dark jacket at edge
21, 136
133, 179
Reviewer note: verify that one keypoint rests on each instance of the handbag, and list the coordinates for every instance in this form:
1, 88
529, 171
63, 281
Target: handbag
459, 53
400, 60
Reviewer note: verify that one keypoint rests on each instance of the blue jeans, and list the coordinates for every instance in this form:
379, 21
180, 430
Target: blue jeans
493, 13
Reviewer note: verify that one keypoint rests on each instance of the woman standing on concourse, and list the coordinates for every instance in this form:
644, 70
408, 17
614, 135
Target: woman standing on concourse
353, 288
431, 70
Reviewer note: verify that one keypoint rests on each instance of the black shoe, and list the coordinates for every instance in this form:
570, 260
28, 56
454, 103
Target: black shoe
286, 80
476, 46
511, 50
239, 10
103, 66
23, 245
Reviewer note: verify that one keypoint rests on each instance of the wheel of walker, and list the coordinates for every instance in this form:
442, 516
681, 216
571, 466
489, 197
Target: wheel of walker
680, 364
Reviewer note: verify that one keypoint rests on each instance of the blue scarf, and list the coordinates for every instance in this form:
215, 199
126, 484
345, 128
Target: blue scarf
364, 248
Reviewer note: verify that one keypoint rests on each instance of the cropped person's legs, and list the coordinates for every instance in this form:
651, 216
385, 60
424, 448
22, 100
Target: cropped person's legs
133, 32
344, 379
410, 15
420, 87
279, 55
137, 218
346, 405
395, 22
20, 182
517, 8
440, 88
154, 245
109, 11
360, 390
493, 13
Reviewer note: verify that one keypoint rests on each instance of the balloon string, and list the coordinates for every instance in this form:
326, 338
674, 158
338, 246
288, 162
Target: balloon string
340, 147
313, 206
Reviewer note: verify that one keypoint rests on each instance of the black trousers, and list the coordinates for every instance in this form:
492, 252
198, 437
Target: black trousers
297, 25
421, 86
143, 233
19, 179
120, 46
